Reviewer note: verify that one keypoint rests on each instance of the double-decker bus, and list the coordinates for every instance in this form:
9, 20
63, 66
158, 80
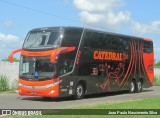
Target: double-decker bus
74, 61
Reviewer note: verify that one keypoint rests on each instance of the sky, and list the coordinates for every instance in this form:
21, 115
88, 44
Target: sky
131, 17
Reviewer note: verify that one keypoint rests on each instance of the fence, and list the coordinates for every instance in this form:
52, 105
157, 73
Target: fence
10, 70
157, 72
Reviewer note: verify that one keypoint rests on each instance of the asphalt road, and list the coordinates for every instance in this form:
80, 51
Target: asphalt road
14, 101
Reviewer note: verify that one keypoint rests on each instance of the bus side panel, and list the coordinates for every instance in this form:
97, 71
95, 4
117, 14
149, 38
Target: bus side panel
67, 86
148, 62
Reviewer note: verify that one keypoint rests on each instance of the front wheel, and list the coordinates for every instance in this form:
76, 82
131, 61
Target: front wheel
132, 87
79, 93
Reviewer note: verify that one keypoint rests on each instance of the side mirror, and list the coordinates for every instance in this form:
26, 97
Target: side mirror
12, 54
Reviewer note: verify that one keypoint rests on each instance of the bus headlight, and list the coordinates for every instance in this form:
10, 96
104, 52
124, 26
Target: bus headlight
20, 84
52, 91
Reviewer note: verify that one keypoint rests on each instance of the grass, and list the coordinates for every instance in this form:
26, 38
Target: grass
150, 103
4, 83
156, 66
156, 81
5, 86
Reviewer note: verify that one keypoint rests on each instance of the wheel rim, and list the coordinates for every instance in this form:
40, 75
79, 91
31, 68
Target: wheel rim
79, 90
132, 87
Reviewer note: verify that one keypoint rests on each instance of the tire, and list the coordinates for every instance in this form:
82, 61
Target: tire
79, 93
139, 87
132, 87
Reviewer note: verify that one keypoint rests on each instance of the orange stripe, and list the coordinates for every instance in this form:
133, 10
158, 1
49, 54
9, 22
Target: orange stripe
48, 53
135, 58
52, 53
37, 83
133, 62
139, 57
40, 53
147, 39
130, 63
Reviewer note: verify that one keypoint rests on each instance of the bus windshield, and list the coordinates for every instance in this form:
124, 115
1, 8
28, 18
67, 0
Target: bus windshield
36, 39
37, 67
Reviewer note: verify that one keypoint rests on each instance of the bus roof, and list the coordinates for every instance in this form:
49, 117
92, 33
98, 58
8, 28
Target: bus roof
84, 28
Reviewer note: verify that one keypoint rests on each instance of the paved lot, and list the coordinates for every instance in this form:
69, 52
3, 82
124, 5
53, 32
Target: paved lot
14, 101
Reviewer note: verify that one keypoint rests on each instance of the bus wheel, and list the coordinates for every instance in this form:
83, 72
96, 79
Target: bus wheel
79, 91
139, 87
132, 87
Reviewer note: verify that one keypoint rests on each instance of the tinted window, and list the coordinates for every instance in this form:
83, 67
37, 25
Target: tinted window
116, 43
71, 37
103, 41
91, 39
126, 43
148, 47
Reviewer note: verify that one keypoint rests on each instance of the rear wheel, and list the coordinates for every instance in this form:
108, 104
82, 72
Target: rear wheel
132, 87
139, 87
79, 93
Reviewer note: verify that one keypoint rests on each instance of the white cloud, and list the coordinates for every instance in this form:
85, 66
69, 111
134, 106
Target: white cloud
102, 13
90, 18
109, 15
152, 28
97, 5
8, 43
8, 38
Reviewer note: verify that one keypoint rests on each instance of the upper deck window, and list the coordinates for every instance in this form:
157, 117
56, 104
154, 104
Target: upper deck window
37, 39
71, 37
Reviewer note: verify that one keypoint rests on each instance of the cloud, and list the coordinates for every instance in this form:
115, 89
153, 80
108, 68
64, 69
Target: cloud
8, 43
8, 38
152, 28
109, 14
102, 13
97, 5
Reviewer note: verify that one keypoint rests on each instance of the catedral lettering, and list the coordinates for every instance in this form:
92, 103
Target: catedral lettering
102, 55
70, 61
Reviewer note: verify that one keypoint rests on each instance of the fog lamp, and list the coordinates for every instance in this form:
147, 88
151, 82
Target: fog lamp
52, 91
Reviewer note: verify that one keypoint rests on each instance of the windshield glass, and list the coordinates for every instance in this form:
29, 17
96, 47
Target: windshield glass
37, 67
42, 39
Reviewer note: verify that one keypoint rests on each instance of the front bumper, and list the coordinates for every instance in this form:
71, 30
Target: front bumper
48, 88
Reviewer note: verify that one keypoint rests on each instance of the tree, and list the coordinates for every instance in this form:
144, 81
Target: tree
14, 59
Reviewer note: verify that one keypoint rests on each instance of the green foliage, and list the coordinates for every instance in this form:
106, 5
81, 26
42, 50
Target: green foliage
5, 86
4, 83
14, 59
156, 64
156, 81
